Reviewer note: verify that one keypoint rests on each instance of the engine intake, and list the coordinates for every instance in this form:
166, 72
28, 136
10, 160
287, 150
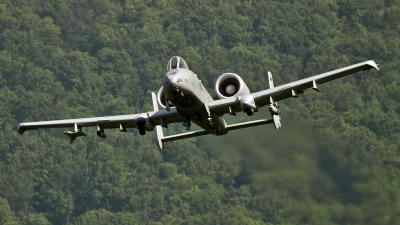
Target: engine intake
230, 85
162, 102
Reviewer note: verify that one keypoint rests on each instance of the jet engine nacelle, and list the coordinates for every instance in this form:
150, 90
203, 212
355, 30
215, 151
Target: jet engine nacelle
162, 102
230, 85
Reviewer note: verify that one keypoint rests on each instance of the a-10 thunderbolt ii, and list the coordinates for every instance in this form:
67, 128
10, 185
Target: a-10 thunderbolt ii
183, 98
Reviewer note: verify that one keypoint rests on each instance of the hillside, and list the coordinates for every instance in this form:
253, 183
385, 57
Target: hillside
336, 159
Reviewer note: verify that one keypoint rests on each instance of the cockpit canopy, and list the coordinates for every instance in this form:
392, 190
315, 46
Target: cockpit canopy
176, 62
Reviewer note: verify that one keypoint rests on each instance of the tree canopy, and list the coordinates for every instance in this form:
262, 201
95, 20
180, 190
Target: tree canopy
336, 160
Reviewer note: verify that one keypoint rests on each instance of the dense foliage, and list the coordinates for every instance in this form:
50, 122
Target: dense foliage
336, 159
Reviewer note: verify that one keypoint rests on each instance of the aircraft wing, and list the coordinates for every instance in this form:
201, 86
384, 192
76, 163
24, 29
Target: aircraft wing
147, 121
122, 121
292, 89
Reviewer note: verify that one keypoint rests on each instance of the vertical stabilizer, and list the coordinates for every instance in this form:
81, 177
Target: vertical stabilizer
273, 105
271, 85
159, 131
155, 103
270, 80
277, 121
160, 136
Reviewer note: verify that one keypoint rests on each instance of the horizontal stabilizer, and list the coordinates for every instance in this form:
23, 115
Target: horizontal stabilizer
184, 135
270, 80
249, 124
204, 132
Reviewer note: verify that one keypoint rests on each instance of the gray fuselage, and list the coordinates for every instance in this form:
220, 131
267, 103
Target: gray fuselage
186, 92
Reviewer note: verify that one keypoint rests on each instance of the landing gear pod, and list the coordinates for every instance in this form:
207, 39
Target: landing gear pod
249, 111
143, 124
248, 105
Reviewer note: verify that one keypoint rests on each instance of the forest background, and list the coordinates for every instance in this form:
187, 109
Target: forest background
336, 159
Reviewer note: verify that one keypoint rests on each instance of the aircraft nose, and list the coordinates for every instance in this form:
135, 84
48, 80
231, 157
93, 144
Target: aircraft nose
170, 80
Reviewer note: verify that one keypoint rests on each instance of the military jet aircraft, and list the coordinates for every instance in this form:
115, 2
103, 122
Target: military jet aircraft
183, 98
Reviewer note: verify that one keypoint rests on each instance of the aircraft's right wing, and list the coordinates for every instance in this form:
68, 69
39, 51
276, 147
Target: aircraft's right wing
142, 121
106, 122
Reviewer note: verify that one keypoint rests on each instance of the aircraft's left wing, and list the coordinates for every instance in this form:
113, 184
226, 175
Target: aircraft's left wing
297, 87
292, 89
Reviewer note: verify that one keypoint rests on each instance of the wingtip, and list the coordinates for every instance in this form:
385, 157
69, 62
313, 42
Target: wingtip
373, 64
160, 136
155, 102
21, 129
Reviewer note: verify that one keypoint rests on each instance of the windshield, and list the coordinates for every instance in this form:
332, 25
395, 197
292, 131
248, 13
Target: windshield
176, 62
